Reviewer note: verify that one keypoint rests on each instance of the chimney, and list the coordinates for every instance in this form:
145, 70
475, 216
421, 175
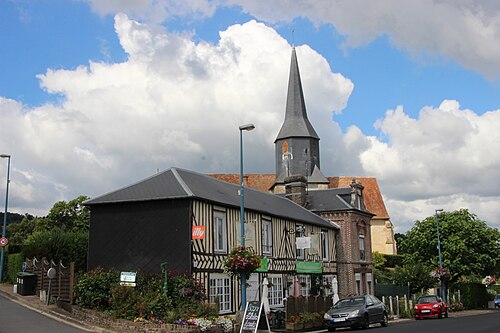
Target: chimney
295, 189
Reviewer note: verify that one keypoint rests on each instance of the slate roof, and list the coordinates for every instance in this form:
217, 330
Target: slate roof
176, 183
296, 123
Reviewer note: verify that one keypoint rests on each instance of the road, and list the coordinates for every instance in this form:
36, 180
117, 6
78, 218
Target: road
484, 323
15, 318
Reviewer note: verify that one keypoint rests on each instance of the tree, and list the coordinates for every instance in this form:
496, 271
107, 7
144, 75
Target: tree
68, 216
468, 245
415, 274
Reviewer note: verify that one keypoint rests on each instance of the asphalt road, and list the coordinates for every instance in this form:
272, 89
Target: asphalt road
484, 323
15, 318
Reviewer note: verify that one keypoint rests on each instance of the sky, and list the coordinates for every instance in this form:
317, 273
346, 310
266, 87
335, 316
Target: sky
99, 94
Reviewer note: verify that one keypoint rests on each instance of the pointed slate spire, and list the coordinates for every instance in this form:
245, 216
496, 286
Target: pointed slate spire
296, 123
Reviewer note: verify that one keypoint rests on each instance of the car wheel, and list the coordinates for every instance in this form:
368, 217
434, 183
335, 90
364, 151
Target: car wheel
440, 315
366, 322
331, 329
385, 322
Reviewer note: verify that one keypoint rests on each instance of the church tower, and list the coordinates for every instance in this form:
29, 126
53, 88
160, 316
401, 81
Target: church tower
297, 143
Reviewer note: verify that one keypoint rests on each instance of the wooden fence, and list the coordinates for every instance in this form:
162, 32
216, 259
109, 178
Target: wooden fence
311, 304
63, 283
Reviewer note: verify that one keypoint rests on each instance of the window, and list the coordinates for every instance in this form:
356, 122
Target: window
362, 248
299, 232
275, 294
357, 277
267, 237
220, 241
305, 284
369, 283
328, 284
324, 245
220, 291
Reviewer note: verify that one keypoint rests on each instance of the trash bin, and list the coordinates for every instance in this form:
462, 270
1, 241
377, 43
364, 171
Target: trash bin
26, 283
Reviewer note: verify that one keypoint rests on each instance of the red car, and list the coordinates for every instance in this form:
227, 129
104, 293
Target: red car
430, 306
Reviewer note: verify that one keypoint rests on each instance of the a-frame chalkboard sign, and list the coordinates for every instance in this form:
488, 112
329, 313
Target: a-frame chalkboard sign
254, 318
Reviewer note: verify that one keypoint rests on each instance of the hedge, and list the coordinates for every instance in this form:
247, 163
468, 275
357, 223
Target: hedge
14, 265
473, 295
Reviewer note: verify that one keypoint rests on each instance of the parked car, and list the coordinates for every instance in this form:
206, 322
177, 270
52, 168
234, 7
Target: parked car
430, 306
497, 301
358, 311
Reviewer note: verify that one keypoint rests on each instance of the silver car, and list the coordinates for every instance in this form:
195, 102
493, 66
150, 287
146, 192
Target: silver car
357, 311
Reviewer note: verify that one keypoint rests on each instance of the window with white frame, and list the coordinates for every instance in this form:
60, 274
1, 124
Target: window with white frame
328, 284
362, 254
267, 237
305, 284
324, 245
220, 292
275, 294
220, 232
369, 284
299, 232
357, 278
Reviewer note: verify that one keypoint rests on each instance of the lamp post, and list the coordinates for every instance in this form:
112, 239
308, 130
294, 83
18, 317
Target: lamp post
5, 214
443, 292
247, 127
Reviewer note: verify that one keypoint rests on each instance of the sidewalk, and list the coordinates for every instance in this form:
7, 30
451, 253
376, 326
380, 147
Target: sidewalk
51, 311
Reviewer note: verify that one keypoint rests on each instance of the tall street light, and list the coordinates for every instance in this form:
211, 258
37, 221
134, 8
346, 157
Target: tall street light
5, 214
443, 292
247, 127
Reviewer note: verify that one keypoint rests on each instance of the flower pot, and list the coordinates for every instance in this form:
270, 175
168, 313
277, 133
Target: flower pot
294, 326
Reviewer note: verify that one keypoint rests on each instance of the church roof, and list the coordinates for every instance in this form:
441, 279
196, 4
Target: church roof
296, 123
374, 201
176, 183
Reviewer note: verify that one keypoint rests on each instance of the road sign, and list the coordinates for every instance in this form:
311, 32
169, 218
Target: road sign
4, 241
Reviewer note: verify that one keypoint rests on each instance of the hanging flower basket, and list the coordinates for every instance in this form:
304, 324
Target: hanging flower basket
441, 274
241, 260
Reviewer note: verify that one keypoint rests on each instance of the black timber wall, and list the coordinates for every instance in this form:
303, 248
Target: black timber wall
139, 236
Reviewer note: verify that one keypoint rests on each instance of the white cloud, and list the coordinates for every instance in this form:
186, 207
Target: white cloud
465, 31
444, 159
171, 103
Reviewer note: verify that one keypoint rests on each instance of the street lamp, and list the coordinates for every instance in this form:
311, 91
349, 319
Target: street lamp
247, 127
443, 292
5, 214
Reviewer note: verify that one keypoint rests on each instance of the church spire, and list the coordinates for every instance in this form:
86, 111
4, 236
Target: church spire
296, 123
297, 144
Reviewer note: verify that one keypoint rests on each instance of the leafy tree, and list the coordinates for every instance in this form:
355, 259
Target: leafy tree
468, 245
68, 216
416, 274
398, 237
18, 232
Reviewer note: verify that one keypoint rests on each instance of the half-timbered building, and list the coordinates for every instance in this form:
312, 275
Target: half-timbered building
190, 221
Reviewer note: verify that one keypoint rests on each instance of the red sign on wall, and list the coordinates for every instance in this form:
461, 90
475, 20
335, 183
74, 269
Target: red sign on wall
198, 232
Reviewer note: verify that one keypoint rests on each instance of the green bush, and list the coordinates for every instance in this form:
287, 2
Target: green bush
14, 265
56, 244
93, 289
473, 295
392, 261
146, 300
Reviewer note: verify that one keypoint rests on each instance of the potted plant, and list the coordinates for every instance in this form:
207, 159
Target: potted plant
241, 260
